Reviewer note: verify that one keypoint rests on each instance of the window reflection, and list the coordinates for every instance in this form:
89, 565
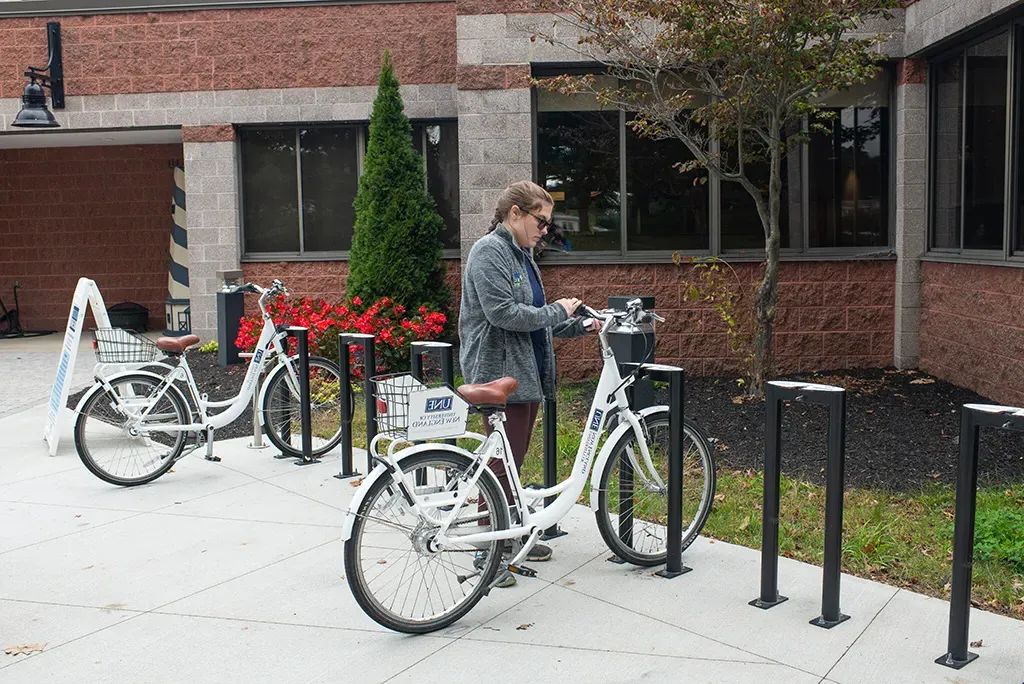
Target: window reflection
270, 197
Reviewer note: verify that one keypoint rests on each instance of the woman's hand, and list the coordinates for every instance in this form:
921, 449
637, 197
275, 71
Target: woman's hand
570, 304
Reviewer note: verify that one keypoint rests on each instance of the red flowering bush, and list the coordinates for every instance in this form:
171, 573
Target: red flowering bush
387, 321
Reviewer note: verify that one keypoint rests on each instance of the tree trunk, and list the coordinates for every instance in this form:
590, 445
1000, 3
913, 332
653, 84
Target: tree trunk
768, 291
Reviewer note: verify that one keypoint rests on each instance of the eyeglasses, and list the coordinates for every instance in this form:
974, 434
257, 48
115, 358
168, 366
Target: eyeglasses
542, 222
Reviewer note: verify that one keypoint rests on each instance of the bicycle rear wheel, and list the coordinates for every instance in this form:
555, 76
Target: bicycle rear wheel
632, 511
396, 576
107, 435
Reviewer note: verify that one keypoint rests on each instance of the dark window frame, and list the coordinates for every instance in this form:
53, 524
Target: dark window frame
803, 252
1013, 157
362, 134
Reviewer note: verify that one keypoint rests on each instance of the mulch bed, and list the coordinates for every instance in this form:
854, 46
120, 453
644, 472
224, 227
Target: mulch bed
902, 426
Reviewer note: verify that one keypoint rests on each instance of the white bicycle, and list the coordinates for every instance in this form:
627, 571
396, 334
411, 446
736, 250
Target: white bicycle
135, 424
430, 528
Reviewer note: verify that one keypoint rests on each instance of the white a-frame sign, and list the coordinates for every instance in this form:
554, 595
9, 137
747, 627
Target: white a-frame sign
85, 293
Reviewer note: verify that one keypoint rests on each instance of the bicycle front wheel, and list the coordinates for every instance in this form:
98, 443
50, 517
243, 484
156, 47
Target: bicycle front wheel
395, 571
282, 417
632, 511
118, 435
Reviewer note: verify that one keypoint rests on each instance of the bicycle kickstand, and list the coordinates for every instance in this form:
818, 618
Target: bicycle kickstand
209, 446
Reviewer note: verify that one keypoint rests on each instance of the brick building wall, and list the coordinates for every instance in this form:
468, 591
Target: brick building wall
281, 47
830, 315
97, 212
972, 328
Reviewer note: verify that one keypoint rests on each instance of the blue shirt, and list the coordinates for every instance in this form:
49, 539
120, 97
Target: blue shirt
538, 337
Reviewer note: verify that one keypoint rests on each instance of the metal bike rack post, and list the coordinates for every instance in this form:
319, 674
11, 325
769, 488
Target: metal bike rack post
345, 397
366, 342
302, 335
257, 432
417, 350
972, 418
676, 379
551, 461
776, 392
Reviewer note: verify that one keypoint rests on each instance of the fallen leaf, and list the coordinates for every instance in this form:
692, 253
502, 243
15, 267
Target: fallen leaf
746, 523
88, 567
923, 381
79, 515
244, 544
356, 483
114, 606
868, 548
382, 561
525, 626
977, 644
719, 497
24, 649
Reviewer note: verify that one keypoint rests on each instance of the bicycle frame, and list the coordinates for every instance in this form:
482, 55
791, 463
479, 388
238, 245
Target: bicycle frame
269, 346
609, 396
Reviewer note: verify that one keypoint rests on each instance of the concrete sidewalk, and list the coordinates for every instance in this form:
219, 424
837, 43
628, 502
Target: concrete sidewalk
232, 572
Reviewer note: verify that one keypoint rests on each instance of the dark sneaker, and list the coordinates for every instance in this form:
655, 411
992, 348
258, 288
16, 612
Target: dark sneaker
539, 553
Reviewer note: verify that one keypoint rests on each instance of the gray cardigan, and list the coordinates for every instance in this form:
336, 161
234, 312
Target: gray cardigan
497, 316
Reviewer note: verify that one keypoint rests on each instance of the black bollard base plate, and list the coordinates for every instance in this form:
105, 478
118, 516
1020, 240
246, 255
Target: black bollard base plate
671, 574
765, 605
345, 476
553, 533
820, 621
948, 660
300, 461
616, 560
281, 457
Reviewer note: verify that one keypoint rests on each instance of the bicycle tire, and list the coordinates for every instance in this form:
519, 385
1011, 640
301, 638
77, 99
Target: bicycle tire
274, 421
357, 565
650, 513
90, 411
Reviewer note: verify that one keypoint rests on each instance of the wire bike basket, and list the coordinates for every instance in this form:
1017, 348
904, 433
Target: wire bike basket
117, 345
408, 410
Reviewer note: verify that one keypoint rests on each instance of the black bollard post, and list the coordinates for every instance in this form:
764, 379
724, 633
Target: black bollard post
345, 397
834, 398
366, 342
551, 461
833, 556
972, 418
770, 506
674, 560
305, 417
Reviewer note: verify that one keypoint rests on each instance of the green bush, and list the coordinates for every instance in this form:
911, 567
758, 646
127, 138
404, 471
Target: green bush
396, 246
999, 535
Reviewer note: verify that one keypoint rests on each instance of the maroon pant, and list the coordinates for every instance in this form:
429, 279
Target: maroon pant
519, 420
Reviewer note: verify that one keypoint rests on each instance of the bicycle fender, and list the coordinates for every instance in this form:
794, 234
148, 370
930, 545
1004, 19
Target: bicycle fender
97, 387
606, 452
380, 469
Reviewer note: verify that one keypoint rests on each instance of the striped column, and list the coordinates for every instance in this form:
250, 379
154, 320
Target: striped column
177, 303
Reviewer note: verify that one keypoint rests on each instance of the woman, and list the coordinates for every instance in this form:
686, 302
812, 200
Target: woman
505, 326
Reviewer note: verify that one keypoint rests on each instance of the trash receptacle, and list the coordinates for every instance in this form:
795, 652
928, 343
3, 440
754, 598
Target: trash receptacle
129, 315
230, 309
635, 345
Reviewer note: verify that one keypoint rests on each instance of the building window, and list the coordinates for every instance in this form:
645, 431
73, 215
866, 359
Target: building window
848, 169
617, 192
970, 111
299, 185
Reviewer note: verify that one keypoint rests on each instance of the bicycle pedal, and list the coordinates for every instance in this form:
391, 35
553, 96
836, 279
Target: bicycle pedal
522, 570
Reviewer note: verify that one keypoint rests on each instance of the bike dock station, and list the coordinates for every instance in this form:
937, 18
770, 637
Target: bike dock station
301, 336
676, 379
346, 342
972, 418
834, 398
